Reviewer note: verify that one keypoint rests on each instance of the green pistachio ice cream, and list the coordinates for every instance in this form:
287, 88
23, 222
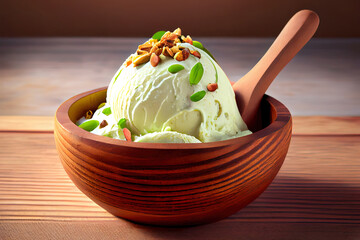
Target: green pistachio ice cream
172, 93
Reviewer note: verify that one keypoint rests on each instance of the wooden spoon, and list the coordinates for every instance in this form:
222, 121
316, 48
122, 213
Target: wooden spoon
250, 89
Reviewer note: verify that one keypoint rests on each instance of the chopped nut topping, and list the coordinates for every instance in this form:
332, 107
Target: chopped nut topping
175, 49
88, 114
153, 49
152, 41
166, 46
186, 53
158, 52
212, 87
188, 39
146, 46
160, 44
196, 54
127, 134
182, 55
177, 31
103, 124
154, 60
140, 59
168, 43
169, 52
168, 36
141, 52
179, 56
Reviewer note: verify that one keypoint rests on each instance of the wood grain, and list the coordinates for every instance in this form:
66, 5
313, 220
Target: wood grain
316, 195
27, 123
171, 184
226, 229
37, 75
323, 125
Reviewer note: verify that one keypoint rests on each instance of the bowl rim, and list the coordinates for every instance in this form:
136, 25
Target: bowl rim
283, 116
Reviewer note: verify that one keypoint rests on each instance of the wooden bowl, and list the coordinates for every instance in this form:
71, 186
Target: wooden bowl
171, 184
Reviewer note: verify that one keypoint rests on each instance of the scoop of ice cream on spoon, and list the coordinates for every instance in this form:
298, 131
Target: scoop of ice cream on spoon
250, 89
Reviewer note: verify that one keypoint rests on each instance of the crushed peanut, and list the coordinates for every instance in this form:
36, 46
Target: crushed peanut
154, 60
169, 51
177, 31
212, 87
140, 59
103, 124
196, 54
166, 46
175, 49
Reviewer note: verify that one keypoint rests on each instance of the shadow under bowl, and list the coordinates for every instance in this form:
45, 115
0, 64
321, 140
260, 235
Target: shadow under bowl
171, 184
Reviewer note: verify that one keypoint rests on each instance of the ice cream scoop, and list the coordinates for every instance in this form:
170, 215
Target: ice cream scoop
251, 88
184, 91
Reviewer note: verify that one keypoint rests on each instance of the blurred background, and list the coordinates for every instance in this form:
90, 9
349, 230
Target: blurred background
51, 50
113, 18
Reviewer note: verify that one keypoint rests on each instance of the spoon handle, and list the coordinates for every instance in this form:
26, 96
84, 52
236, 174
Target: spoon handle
251, 88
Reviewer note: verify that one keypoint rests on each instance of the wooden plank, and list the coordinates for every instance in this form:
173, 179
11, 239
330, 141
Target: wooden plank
37, 75
324, 125
304, 125
27, 123
316, 194
226, 229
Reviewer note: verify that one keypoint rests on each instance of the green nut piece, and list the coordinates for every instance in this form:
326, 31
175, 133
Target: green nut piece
107, 111
175, 68
158, 35
196, 73
198, 44
89, 125
197, 96
122, 123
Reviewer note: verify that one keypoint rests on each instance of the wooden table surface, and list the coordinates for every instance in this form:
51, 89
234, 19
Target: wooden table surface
316, 194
